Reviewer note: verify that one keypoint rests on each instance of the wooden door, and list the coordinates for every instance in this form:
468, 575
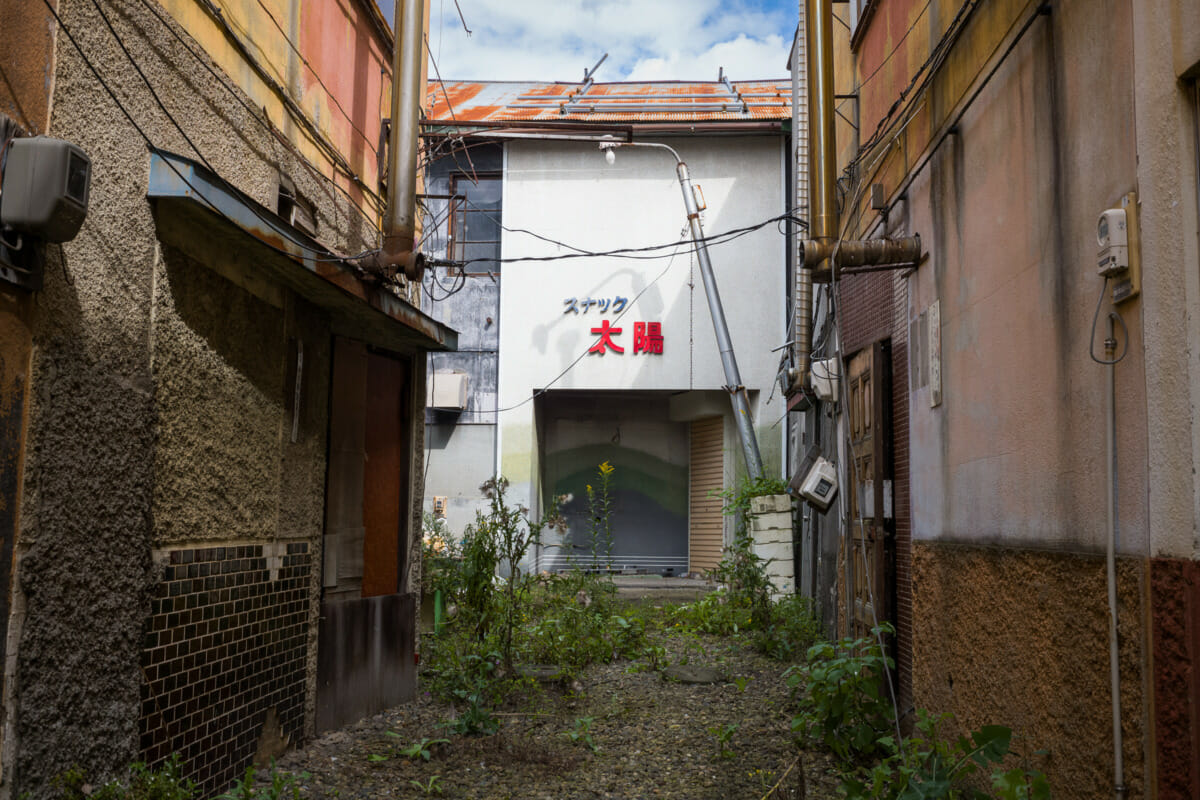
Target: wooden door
706, 523
869, 567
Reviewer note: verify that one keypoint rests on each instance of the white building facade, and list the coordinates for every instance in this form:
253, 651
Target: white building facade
587, 356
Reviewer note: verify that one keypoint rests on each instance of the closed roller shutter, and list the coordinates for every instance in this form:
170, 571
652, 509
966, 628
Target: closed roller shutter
706, 524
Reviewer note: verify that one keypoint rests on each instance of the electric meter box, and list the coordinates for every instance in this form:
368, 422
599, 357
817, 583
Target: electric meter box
820, 485
1112, 236
45, 189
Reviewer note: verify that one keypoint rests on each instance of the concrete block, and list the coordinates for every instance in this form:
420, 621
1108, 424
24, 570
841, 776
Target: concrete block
771, 503
772, 536
772, 521
777, 552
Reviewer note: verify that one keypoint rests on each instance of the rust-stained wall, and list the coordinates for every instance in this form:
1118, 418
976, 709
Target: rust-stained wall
319, 69
1020, 638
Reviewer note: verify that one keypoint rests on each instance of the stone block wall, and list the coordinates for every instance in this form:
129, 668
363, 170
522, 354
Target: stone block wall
771, 532
225, 649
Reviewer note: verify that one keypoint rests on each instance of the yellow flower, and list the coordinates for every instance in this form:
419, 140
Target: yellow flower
606, 468
589, 488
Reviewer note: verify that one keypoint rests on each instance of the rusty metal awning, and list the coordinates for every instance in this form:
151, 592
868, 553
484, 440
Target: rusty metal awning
214, 223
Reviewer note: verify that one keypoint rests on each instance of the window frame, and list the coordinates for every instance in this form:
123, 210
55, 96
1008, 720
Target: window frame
458, 205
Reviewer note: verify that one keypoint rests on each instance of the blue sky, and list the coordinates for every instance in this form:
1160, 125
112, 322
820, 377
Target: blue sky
645, 39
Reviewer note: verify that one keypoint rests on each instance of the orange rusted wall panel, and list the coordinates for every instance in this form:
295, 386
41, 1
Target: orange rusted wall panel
338, 91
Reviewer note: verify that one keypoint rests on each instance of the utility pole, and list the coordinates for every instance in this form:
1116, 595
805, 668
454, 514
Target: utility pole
733, 378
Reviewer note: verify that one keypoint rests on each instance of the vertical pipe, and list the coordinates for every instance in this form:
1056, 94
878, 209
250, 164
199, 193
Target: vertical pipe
1110, 346
741, 404
399, 223
822, 162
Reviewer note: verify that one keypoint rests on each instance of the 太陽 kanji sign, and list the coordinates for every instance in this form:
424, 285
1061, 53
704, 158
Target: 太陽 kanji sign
647, 338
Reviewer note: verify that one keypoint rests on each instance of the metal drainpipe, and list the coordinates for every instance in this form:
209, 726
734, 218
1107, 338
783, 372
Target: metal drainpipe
822, 163
400, 220
1110, 347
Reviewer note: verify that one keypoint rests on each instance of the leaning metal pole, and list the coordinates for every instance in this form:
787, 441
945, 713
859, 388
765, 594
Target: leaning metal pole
733, 379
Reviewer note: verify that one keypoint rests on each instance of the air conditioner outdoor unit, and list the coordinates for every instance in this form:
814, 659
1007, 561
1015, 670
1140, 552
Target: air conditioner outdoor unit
447, 390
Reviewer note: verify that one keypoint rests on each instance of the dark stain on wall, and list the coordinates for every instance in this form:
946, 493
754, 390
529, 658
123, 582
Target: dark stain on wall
226, 643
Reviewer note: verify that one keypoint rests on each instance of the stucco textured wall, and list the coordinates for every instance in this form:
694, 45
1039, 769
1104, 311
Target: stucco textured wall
1020, 638
160, 413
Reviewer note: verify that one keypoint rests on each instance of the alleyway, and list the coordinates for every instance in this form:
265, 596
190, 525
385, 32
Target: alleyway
649, 736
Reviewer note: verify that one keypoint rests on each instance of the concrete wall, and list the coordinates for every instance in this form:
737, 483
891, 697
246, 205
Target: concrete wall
567, 192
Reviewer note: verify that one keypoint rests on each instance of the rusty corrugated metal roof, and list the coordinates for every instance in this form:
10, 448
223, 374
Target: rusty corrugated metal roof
657, 101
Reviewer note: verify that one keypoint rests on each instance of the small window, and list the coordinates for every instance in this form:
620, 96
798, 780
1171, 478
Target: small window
476, 224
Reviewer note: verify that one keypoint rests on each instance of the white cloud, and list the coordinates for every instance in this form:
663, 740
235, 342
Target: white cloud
743, 59
645, 39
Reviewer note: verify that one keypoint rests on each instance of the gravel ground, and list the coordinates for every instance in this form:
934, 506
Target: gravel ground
651, 736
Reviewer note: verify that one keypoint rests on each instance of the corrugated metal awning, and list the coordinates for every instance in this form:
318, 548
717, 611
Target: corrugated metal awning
211, 221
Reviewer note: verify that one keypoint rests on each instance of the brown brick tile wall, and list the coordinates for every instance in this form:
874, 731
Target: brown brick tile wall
226, 640
873, 307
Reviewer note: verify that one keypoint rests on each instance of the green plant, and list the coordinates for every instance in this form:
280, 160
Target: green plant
741, 570
926, 766
164, 782
422, 749
847, 706
740, 683
429, 788
722, 734
600, 508
792, 630
581, 733
278, 785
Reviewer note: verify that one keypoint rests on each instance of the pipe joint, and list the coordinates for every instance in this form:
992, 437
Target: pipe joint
396, 257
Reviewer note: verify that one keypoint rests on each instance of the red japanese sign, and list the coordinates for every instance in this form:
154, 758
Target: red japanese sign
647, 338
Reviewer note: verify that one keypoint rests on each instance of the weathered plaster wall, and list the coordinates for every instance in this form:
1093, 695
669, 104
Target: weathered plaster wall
147, 367
1007, 207
1166, 46
1020, 638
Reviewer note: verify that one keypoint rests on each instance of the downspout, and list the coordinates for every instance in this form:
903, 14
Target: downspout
399, 252
822, 167
1114, 657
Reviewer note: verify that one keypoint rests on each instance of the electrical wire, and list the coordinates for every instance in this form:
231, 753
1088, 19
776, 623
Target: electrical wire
538, 393
146, 138
1113, 316
372, 197
174, 122
632, 253
315, 74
